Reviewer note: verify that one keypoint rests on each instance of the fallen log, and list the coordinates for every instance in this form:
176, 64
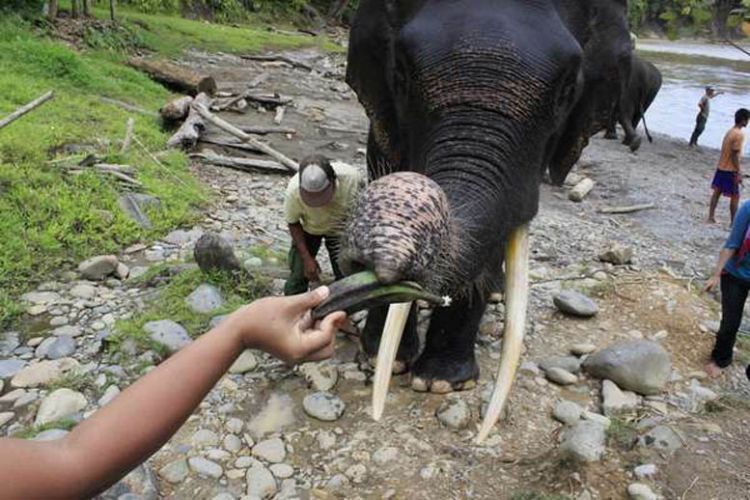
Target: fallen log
244, 164
26, 108
258, 80
236, 145
626, 209
174, 76
203, 111
190, 131
580, 190
176, 109
271, 101
277, 58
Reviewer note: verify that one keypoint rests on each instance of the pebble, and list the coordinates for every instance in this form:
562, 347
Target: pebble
640, 491
385, 455
25, 400
596, 417
43, 372
582, 349
109, 394
234, 425
645, 471
205, 299
6, 417
337, 482
98, 268
641, 366
41, 297
83, 291
260, 482
320, 376
244, 363
356, 473
560, 376
37, 310
575, 304
568, 363
204, 438
662, 438
270, 450
70, 330
175, 471
58, 321
323, 406
282, 471
567, 412
56, 347
218, 454
10, 367
12, 396
168, 333
530, 368
326, 440
583, 442
205, 467
60, 404
454, 413
615, 401
617, 254
232, 443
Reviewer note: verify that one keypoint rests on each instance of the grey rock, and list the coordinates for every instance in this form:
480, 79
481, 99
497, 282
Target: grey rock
204, 437
582, 349
583, 442
41, 298
568, 363
641, 366
109, 394
43, 372
596, 417
232, 443
700, 394
56, 347
60, 404
205, 299
385, 455
252, 264
567, 412
216, 320
140, 484
337, 481
270, 450
58, 321
135, 204
244, 363
168, 333
99, 267
282, 471
661, 438
205, 467
234, 425
323, 406
320, 376
175, 471
454, 413
617, 254
50, 435
9, 367
615, 401
575, 304
245, 462
214, 253
25, 400
69, 330
6, 417
180, 237
640, 491
83, 291
645, 471
260, 482
9, 341
560, 376
356, 473
122, 271
530, 368
326, 440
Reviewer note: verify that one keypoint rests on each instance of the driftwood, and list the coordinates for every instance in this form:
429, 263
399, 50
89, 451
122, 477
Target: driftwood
203, 111
342, 130
174, 76
258, 80
26, 108
279, 115
260, 130
236, 145
271, 101
189, 133
176, 109
122, 173
626, 210
244, 164
127, 106
129, 128
278, 58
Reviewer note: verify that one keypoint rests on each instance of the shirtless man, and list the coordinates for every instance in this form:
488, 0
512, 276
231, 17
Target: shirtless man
728, 176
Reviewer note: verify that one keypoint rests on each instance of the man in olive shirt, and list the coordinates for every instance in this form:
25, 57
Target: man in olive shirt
318, 201
704, 107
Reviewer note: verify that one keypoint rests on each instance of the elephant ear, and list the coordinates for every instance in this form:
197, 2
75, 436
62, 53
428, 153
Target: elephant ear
369, 70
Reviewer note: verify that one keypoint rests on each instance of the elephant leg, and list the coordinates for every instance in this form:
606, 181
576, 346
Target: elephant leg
611, 132
448, 362
632, 138
409, 346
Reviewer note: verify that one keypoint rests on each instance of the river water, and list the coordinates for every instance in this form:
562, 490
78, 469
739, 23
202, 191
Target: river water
687, 68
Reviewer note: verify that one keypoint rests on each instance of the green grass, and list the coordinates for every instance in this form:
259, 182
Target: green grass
533, 495
622, 434
171, 305
75, 381
65, 424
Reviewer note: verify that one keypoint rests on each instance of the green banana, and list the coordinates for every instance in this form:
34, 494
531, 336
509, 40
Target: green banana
364, 291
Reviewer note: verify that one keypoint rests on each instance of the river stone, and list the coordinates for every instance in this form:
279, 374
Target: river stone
615, 401
175, 471
6, 417
270, 450
9, 367
323, 406
641, 366
140, 484
205, 467
41, 298
69, 330
454, 413
180, 237
640, 491
232, 443
234, 425
568, 363
662, 438
9, 341
645, 471
244, 363
385, 455
596, 417
83, 291
582, 349
56, 347
168, 333
260, 482
98, 268
356, 473
205, 299
575, 304
282, 471
617, 254
560, 376
567, 412
214, 253
43, 372
583, 442
320, 376
204, 438
111, 393
60, 404
276, 414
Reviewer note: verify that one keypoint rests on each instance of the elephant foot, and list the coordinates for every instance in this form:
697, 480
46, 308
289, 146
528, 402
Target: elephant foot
611, 135
399, 366
443, 375
635, 144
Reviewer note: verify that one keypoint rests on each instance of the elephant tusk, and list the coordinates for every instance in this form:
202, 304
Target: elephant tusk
516, 300
389, 341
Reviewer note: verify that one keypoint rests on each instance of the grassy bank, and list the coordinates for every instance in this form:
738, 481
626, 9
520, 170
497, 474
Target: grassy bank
52, 220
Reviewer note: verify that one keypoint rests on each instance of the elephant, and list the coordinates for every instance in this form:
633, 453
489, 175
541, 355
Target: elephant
470, 103
643, 85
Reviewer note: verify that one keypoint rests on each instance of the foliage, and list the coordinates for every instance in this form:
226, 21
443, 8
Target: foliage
686, 17
622, 433
65, 424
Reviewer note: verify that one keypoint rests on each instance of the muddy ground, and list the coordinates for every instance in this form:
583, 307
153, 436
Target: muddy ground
660, 292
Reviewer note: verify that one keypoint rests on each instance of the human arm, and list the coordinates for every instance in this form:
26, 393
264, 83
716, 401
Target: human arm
724, 255
139, 421
312, 269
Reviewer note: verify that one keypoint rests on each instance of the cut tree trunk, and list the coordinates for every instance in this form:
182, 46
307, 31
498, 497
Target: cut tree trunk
174, 76
177, 109
189, 133
336, 12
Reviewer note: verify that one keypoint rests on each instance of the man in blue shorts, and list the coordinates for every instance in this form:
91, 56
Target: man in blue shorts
728, 176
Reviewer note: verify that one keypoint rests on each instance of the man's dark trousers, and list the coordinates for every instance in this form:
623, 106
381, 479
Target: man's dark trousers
297, 283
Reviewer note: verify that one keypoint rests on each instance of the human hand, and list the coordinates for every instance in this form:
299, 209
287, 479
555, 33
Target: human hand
312, 270
283, 327
712, 282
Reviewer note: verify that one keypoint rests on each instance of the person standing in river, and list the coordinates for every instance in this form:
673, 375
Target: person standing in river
704, 106
728, 176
